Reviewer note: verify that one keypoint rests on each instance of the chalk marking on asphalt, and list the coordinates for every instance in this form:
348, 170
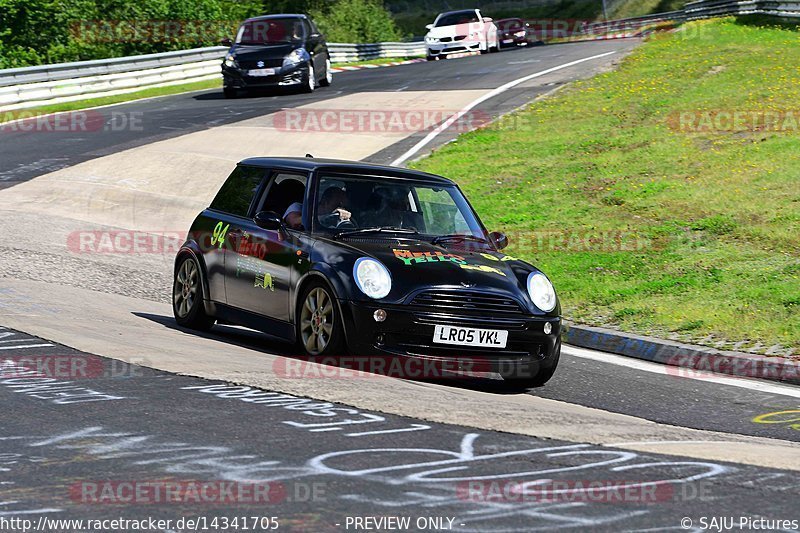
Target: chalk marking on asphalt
25, 346
491, 94
699, 375
414, 427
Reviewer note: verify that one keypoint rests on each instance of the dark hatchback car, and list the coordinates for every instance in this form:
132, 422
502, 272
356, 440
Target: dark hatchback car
514, 32
345, 257
276, 51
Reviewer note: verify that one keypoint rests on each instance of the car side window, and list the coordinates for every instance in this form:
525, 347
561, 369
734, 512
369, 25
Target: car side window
237, 193
285, 189
314, 28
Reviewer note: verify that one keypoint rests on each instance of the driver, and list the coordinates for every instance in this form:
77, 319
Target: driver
331, 208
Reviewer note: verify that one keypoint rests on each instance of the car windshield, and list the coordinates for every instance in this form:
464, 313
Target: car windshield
510, 25
349, 205
271, 31
453, 19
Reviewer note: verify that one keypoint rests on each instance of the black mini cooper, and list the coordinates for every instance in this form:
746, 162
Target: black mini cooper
346, 257
276, 51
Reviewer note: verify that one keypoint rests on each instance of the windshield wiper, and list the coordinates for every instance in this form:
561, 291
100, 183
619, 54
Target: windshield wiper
459, 237
377, 229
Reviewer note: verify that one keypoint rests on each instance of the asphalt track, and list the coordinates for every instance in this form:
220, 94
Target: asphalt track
610, 410
79, 448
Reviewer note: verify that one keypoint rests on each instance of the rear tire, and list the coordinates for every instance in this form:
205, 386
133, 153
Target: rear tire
187, 296
319, 323
517, 379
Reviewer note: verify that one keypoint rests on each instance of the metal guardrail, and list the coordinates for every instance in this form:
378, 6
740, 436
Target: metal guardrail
21, 88
719, 8
344, 52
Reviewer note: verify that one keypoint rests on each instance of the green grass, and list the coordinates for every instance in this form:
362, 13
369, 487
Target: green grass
715, 217
109, 100
381, 61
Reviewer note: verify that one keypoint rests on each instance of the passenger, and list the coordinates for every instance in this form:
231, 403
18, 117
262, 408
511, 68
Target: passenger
293, 217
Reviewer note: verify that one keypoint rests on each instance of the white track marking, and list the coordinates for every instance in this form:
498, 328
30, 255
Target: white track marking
680, 373
491, 94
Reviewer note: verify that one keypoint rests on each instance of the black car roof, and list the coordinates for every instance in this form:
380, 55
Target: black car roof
338, 165
280, 16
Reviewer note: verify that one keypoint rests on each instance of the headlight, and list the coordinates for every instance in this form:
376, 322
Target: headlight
372, 278
230, 61
296, 57
541, 292
430, 39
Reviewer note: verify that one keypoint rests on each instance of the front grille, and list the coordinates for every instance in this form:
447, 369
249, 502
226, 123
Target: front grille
460, 37
446, 39
253, 64
467, 302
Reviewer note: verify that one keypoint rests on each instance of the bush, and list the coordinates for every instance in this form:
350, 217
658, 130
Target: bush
36, 32
356, 21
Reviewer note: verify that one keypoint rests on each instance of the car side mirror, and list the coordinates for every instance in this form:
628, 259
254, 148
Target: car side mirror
226, 42
499, 239
268, 220
429, 26
487, 19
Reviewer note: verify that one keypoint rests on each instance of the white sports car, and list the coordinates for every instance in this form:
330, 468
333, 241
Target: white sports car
456, 32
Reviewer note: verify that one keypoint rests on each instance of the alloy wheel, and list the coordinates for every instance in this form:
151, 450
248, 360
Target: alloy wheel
187, 284
317, 321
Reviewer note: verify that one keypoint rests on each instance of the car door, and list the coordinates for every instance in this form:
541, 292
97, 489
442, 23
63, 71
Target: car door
316, 47
222, 222
260, 269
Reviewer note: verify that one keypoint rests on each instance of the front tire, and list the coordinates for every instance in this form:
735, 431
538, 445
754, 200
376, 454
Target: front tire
319, 323
311, 81
187, 296
230, 92
328, 79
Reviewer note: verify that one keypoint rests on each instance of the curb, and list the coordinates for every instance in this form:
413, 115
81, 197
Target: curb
687, 359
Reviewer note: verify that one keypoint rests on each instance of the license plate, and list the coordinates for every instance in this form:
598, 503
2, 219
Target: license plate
506, 41
486, 338
262, 72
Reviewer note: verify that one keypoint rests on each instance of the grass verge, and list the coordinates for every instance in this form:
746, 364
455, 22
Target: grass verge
643, 225
380, 61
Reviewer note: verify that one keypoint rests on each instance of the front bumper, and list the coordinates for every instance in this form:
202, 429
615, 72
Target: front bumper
453, 47
409, 333
238, 78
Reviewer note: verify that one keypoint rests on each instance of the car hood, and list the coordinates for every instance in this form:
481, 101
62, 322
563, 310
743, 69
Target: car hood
246, 52
416, 265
